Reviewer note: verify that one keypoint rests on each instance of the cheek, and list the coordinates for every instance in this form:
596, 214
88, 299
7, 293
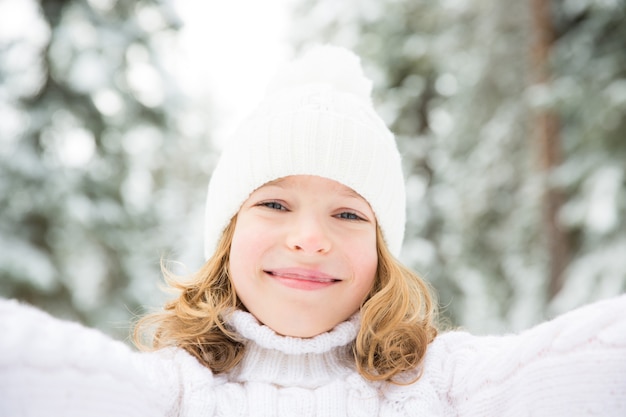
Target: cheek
241, 267
246, 239
242, 254
366, 265
369, 271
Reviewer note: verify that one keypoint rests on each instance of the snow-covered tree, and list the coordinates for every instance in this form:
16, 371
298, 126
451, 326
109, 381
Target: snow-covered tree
102, 156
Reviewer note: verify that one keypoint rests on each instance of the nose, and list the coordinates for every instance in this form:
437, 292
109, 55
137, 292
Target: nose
309, 235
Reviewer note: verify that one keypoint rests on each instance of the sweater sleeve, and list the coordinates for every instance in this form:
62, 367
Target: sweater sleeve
52, 367
574, 365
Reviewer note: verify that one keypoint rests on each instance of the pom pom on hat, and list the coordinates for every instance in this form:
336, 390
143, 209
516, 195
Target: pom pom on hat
336, 67
317, 119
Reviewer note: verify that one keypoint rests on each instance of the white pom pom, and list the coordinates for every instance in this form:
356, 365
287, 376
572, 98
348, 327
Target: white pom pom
324, 64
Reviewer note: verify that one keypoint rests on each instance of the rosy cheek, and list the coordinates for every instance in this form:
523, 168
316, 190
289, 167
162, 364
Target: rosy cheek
369, 254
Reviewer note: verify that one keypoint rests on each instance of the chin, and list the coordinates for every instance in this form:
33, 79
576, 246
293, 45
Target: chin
300, 330
303, 334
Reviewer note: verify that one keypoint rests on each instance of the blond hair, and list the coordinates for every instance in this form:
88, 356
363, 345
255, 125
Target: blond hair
397, 317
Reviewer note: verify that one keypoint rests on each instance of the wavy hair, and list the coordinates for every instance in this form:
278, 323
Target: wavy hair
397, 317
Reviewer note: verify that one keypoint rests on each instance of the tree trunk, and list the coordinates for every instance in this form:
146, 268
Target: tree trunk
547, 141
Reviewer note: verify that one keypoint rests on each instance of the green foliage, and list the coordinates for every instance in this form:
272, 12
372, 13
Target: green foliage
589, 92
98, 180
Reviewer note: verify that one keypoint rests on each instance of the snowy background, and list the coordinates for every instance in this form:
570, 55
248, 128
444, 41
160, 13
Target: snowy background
112, 115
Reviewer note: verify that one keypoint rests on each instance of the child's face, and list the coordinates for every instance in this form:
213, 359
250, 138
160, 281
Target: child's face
303, 256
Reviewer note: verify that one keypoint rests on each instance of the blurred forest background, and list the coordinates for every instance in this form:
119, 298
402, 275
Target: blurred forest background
511, 116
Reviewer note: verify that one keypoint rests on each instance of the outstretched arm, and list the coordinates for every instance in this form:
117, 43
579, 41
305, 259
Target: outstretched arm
574, 365
53, 367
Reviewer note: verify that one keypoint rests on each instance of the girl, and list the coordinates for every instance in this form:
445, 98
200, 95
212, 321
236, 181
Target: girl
302, 308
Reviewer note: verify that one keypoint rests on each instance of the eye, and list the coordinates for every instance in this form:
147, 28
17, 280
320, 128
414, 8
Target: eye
274, 205
347, 215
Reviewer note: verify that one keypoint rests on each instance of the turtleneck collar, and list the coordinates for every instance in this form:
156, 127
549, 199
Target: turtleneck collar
291, 361
249, 327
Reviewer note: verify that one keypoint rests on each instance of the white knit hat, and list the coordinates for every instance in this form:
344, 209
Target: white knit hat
316, 118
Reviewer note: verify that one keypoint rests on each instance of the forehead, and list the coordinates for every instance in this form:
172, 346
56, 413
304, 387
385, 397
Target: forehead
312, 180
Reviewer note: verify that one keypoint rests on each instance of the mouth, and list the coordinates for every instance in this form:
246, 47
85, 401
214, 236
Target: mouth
302, 278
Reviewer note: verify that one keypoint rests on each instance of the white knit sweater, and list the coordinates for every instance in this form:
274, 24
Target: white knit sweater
574, 365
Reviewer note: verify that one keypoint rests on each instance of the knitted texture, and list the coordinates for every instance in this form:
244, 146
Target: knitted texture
54, 368
247, 326
571, 366
312, 122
